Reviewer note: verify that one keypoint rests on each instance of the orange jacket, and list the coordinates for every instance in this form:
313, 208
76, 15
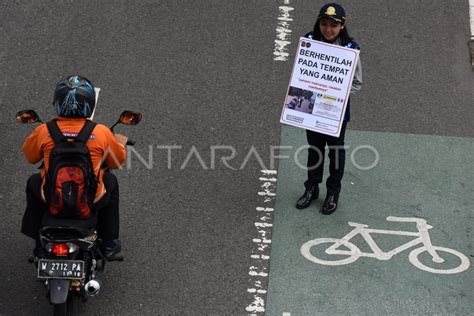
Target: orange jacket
39, 145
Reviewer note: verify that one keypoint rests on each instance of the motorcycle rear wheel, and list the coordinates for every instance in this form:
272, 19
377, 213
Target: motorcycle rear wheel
66, 308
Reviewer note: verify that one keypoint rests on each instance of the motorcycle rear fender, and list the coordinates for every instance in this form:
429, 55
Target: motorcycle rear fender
58, 290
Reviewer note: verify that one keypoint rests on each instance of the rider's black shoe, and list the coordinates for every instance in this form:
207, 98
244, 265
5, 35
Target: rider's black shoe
110, 248
309, 195
330, 204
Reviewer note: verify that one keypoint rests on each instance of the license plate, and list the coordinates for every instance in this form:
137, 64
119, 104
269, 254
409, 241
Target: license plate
60, 269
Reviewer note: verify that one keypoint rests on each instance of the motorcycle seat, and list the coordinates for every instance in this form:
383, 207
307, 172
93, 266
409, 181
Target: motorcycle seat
55, 222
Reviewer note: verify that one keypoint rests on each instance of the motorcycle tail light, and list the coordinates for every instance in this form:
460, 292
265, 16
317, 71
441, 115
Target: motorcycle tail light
72, 247
60, 249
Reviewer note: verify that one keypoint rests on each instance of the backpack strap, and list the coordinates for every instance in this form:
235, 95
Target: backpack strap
85, 132
55, 132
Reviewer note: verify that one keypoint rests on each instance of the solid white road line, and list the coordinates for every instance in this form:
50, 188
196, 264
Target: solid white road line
471, 43
471, 16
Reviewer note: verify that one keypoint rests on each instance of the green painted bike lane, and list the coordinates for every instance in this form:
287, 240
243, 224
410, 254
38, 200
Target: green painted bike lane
416, 176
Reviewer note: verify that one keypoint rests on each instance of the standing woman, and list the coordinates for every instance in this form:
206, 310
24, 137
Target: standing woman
329, 28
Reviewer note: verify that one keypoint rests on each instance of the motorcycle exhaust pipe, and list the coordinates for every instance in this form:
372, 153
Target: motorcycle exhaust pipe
92, 288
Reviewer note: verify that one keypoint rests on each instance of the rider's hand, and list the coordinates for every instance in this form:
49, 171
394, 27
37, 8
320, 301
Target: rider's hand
121, 139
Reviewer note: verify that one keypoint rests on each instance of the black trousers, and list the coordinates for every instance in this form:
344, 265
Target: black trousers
316, 155
107, 208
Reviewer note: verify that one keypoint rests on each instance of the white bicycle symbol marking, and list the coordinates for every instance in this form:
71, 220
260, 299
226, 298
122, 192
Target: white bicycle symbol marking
354, 253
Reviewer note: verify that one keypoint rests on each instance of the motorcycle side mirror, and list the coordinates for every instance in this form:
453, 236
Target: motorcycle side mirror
28, 116
130, 118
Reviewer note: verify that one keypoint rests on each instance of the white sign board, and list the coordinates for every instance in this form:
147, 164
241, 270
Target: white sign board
319, 87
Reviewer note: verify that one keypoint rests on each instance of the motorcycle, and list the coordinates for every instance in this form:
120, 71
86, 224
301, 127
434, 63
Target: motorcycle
73, 259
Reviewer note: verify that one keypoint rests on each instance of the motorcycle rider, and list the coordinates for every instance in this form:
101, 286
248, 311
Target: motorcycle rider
74, 102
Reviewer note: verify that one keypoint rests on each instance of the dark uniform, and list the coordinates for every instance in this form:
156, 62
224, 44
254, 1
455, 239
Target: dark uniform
337, 152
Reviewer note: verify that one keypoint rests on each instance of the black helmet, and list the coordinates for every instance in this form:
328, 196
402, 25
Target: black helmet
333, 11
74, 97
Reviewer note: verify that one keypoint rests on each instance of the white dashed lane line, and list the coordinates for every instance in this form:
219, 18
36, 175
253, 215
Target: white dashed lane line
283, 33
260, 255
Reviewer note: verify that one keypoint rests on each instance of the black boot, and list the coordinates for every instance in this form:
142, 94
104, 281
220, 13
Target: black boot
330, 204
309, 195
39, 251
111, 248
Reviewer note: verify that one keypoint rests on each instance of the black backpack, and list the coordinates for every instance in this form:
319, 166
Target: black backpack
71, 183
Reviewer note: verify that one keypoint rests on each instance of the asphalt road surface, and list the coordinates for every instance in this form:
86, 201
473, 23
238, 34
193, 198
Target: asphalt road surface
203, 75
